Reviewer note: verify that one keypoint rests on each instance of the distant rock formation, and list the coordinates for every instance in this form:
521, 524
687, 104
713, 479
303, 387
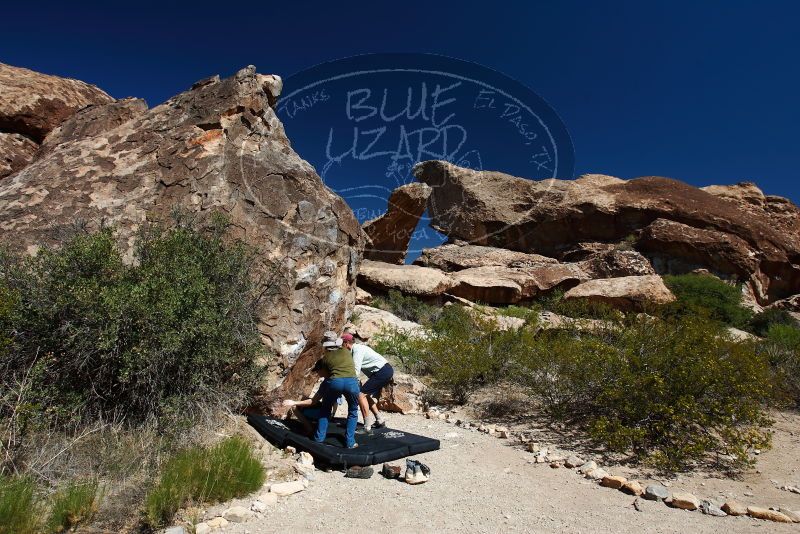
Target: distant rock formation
756, 237
216, 148
33, 104
389, 235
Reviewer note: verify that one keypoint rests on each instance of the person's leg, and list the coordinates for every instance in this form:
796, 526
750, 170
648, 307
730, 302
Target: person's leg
372, 388
328, 401
351, 394
364, 405
300, 415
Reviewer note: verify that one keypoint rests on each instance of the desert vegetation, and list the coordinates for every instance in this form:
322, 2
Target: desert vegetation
109, 369
669, 388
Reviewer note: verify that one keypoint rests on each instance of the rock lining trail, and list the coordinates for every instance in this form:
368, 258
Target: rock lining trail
480, 483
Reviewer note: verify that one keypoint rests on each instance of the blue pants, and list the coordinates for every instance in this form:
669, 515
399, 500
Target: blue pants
350, 389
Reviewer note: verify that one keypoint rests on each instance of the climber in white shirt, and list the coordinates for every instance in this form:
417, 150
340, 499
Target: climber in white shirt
378, 372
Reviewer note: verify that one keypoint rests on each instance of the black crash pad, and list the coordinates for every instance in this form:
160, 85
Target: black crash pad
381, 445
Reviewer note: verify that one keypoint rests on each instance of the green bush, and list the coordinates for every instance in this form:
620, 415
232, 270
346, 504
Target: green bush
706, 296
760, 323
19, 512
461, 353
670, 393
782, 348
99, 338
407, 308
198, 475
76, 503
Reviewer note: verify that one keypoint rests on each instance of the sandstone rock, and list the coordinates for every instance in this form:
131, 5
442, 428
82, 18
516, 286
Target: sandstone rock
452, 257
202, 528
283, 489
237, 514
625, 293
258, 506
408, 279
740, 335
734, 508
216, 148
404, 395
371, 321
573, 462
684, 501
175, 530
217, 522
709, 508
632, 487
655, 492
791, 514
305, 459
390, 233
363, 297
34, 103
16, 151
613, 482
509, 285
588, 466
767, 514
269, 499
495, 209
596, 474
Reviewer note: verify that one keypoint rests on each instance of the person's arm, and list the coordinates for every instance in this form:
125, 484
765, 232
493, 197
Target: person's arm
305, 403
358, 358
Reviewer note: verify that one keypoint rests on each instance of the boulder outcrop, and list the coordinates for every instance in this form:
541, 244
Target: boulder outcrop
388, 235
16, 151
217, 148
454, 257
369, 321
627, 293
551, 216
422, 282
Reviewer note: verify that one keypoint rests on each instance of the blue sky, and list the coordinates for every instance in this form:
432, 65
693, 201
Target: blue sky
706, 92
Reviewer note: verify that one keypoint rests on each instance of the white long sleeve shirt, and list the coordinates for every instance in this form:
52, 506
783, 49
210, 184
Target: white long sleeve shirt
367, 360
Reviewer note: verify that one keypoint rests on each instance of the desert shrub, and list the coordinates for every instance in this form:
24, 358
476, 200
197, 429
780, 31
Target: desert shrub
407, 307
706, 296
19, 513
75, 503
782, 348
579, 309
668, 392
199, 475
98, 338
529, 313
462, 351
761, 323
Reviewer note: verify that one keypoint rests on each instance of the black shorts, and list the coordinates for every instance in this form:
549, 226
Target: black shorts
379, 378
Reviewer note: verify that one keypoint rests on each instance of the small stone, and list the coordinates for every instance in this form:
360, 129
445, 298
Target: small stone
596, 474
452, 435
573, 462
748, 493
793, 489
258, 506
632, 487
237, 514
791, 514
305, 459
503, 434
217, 522
656, 492
684, 501
284, 489
269, 499
734, 508
588, 466
555, 458
709, 508
613, 482
175, 530
202, 528
767, 514
431, 414
555, 465
290, 450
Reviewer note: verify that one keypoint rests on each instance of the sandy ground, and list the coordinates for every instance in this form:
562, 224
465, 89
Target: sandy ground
481, 483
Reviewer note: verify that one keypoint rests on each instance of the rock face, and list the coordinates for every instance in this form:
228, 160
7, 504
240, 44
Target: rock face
454, 257
16, 151
34, 103
370, 321
388, 235
628, 293
761, 233
216, 148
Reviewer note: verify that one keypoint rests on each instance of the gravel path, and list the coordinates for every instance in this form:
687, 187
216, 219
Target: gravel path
478, 484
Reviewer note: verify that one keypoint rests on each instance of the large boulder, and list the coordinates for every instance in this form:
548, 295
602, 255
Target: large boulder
550, 216
509, 285
405, 394
388, 235
367, 322
33, 103
455, 257
626, 293
216, 148
422, 282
